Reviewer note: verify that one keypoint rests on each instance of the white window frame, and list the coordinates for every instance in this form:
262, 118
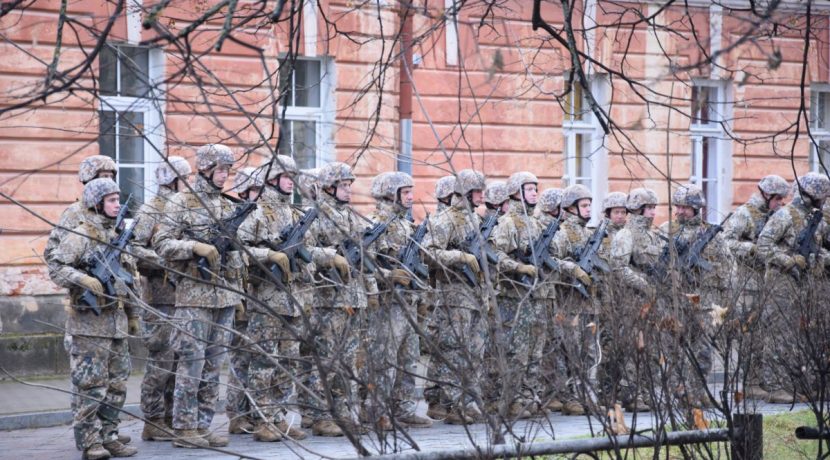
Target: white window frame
819, 134
594, 139
716, 131
152, 107
323, 116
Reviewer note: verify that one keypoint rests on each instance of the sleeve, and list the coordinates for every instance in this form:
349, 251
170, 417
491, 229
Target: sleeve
622, 247
252, 232
437, 242
167, 241
67, 257
504, 241
735, 234
772, 233
141, 247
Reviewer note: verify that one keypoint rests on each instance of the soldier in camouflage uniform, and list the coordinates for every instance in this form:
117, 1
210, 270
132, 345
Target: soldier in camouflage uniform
461, 313
99, 353
394, 348
741, 234
699, 290
496, 199
577, 314
444, 189
776, 245
204, 308
520, 311
340, 297
634, 251
159, 294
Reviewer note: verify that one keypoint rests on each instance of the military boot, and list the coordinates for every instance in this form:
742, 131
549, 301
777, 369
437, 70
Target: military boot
518, 411
214, 439
96, 452
756, 392
267, 432
326, 428
156, 430
116, 449
413, 420
437, 411
290, 431
573, 407
462, 416
240, 425
637, 405
124, 439
189, 439
554, 405
306, 421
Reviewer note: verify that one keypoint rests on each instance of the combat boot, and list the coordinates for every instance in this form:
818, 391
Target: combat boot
116, 449
462, 416
554, 405
756, 392
156, 430
326, 428
189, 439
518, 411
572, 408
124, 439
782, 397
437, 411
96, 452
415, 421
637, 405
290, 431
306, 421
214, 439
267, 432
240, 425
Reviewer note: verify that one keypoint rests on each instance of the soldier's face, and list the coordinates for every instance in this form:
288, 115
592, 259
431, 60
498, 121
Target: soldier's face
220, 175
343, 192
406, 197
253, 193
583, 207
505, 207
776, 202
531, 193
477, 197
112, 205
618, 216
286, 183
105, 174
683, 213
650, 211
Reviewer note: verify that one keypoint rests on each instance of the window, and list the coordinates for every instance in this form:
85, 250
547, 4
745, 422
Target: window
711, 155
820, 128
130, 127
306, 86
586, 160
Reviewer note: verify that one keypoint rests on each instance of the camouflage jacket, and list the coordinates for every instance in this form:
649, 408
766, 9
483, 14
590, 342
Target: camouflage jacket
635, 250
336, 222
611, 231
551, 281
515, 233
273, 215
158, 286
70, 219
191, 217
73, 257
742, 229
776, 243
716, 253
447, 232
388, 247
571, 238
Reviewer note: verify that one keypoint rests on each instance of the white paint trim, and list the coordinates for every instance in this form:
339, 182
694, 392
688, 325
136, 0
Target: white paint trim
785, 5
310, 27
715, 38
134, 9
451, 32
589, 25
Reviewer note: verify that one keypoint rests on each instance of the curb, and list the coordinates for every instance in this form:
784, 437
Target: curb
49, 418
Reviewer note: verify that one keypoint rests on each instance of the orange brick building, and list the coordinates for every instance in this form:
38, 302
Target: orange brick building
482, 87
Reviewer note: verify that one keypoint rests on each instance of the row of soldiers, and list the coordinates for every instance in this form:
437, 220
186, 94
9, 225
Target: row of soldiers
321, 307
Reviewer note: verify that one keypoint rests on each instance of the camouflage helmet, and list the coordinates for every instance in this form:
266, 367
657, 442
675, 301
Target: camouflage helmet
444, 187
379, 185
307, 181
247, 178
689, 195
815, 185
334, 172
211, 155
281, 164
395, 182
91, 166
172, 169
774, 185
574, 193
614, 200
467, 181
640, 197
95, 191
519, 179
549, 200
496, 193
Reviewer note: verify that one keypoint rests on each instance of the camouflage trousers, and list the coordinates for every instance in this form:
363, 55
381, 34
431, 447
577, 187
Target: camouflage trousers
393, 349
237, 398
201, 337
521, 333
160, 371
334, 332
457, 370
576, 352
271, 383
99, 368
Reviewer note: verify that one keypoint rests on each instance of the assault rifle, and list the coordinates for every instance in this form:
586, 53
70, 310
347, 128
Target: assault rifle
588, 257
106, 264
225, 231
410, 256
291, 244
476, 244
805, 241
689, 253
539, 253
353, 251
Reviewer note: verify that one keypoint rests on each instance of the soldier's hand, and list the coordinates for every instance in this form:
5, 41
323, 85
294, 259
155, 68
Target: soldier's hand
281, 259
372, 301
92, 284
133, 327
526, 269
400, 277
342, 266
470, 261
207, 251
239, 312
799, 261
583, 277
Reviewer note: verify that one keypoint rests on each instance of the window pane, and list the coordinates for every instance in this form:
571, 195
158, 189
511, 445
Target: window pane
130, 139
700, 104
107, 71
135, 65
106, 136
285, 83
131, 181
307, 84
305, 141
822, 151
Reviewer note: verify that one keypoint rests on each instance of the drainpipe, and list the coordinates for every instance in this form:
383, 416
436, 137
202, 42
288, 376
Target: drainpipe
405, 90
